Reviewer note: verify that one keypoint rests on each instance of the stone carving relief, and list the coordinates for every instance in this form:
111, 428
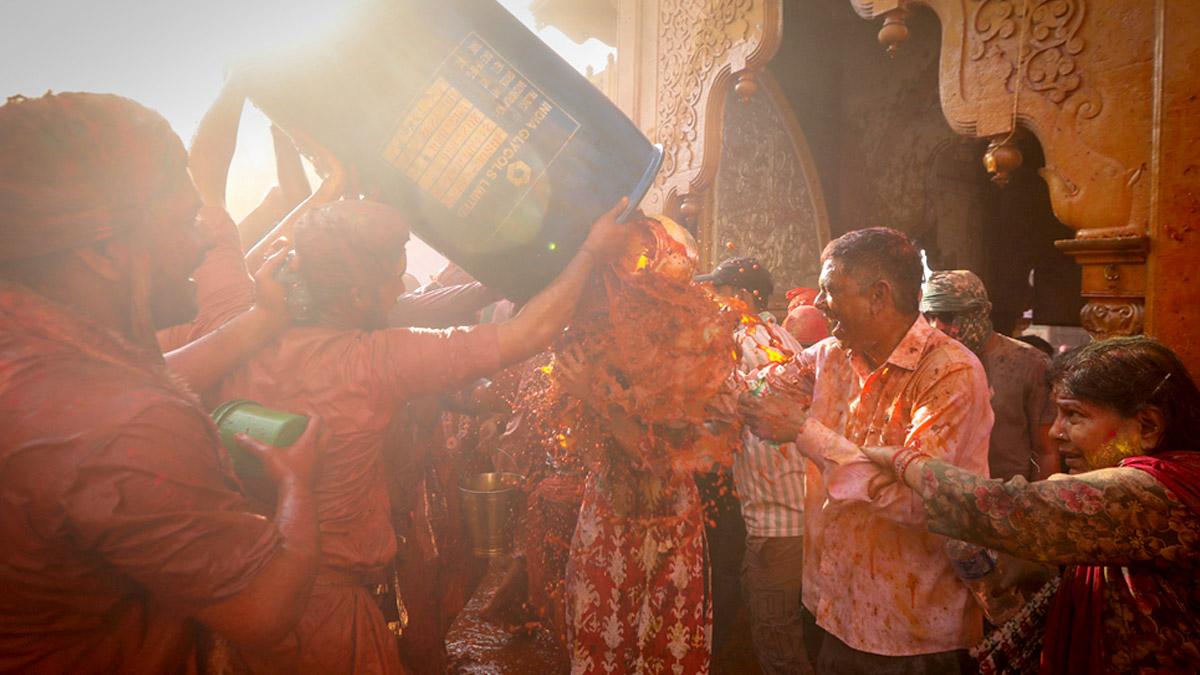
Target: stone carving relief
1052, 45
767, 195
1112, 318
1080, 76
1075, 76
701, 45
693, 39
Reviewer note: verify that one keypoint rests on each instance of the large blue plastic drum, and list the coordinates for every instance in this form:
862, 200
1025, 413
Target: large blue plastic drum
498, 151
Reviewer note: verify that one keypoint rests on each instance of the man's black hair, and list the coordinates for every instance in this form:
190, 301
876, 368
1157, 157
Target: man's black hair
881, 252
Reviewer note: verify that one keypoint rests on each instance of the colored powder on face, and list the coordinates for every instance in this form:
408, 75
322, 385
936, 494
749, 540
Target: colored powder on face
1113, 451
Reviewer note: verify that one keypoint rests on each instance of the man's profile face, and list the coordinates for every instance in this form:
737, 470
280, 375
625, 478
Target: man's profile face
947, 322
845, 304
730, 291
175, 247
386, 294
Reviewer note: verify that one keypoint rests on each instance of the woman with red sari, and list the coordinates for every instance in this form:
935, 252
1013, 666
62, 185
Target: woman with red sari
1125, 525
646, 367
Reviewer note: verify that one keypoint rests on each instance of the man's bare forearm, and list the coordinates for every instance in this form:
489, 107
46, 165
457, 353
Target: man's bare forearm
544, 317
213, 146
203, 362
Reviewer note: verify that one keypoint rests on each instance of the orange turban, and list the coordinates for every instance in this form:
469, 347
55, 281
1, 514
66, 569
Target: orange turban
349, 243
76, 168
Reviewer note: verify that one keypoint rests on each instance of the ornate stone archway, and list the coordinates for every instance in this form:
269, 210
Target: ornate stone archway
1108, 90
767, 199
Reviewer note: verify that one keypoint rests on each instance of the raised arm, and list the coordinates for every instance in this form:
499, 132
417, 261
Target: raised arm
544, 316
441, 307
204, 361
289, 170
214, 144
331, 189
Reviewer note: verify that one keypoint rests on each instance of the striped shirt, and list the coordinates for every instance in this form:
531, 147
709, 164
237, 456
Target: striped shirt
769, 477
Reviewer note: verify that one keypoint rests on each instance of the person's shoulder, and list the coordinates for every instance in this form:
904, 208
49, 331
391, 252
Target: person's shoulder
828, 348
943, 349
1017, 349
946, 356
85, 414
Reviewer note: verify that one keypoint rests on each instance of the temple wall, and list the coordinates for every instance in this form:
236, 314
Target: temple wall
767, 196
1088, 109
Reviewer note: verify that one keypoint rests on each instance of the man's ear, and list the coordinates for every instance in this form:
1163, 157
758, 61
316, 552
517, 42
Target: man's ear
1152, 425
109, 259
880, 295
361, 299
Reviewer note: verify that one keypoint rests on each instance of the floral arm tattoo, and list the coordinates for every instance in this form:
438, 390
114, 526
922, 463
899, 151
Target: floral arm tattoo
1108, 517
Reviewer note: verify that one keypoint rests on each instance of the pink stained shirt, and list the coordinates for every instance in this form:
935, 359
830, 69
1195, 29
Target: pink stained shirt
769, 476
356, 381
874, 576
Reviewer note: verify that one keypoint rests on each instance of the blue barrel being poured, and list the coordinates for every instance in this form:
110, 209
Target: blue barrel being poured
498, 151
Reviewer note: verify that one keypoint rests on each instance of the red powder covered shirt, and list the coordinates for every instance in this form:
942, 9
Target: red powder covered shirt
874, 576
118, 513
356, 381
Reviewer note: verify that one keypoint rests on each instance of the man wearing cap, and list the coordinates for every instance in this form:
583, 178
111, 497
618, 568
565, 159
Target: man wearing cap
123, 530
769, 478
956, 302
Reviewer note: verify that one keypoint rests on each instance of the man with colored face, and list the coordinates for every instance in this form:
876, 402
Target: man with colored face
769, 478
882, 593
956, 303
123, 528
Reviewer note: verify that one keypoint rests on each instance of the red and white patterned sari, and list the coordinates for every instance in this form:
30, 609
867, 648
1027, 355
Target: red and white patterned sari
637, 591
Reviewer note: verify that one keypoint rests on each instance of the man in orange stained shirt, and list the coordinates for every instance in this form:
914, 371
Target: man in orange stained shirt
879, 585
344, 364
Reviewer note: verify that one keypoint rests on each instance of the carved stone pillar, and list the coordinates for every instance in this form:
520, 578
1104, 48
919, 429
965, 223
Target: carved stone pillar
1114, 283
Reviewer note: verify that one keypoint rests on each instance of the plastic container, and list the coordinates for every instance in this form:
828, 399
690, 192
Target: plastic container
274, 427
500, 153
488, 500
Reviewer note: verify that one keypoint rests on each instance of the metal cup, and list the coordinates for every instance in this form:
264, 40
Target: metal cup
487, 503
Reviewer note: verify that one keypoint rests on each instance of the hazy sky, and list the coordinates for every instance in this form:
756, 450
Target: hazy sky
171, 56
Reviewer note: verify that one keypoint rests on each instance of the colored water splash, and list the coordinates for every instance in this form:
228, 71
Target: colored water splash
774, 355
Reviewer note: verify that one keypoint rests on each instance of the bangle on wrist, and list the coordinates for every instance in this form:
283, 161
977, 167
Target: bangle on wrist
904, 460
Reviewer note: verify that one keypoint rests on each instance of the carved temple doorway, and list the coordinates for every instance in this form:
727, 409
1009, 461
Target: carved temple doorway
767, 197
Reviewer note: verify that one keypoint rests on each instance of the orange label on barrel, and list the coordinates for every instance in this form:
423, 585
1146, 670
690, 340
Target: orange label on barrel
480, 136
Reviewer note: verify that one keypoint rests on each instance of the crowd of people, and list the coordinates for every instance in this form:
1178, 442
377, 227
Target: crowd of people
877, 483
